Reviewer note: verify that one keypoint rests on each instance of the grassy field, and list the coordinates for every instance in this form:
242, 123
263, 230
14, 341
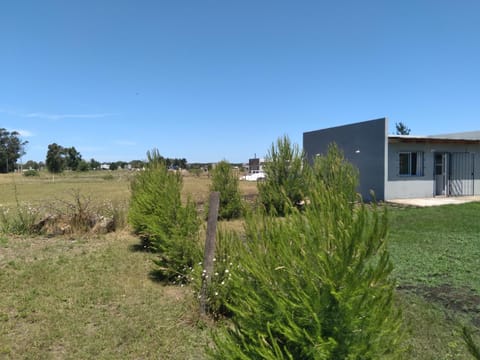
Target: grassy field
71, 297
436, 256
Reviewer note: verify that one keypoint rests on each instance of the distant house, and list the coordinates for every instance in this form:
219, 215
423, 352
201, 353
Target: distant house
255, 165
400, 166
255, 170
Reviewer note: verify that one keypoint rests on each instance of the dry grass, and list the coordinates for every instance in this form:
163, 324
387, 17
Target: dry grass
79, 298
99, 185
42, 189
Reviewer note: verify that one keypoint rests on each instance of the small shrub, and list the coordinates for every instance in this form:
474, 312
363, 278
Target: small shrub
107, 177
165, 225
31, 173
226, 182
20, 221
116, 211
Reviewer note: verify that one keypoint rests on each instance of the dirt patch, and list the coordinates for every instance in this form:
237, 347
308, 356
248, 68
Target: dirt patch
461, 300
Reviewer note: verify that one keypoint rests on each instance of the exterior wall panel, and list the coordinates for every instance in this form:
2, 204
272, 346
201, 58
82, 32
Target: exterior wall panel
363, 144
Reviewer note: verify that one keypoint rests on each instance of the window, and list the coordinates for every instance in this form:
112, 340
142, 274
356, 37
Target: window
411, 163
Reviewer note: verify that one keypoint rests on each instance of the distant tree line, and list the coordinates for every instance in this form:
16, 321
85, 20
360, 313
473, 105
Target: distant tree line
60, 158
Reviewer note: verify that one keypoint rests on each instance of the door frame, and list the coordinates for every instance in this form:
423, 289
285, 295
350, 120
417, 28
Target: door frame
443, 175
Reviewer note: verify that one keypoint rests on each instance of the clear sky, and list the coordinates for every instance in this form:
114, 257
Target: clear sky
210, 80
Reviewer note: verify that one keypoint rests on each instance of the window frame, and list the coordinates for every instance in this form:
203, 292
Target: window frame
414, 166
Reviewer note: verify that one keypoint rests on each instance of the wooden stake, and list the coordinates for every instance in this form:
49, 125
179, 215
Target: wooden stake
209, 249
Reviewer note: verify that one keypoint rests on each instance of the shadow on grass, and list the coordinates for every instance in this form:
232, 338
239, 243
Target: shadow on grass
457, 299
158, 276
140, 247
143, 246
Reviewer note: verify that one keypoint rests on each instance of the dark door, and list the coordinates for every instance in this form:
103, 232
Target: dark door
440, 175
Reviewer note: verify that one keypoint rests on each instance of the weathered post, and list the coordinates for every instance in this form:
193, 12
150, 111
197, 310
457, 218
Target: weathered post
209, 249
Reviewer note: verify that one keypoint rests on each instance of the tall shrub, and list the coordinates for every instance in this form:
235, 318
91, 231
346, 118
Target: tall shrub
226, 182
335, 173
284, 184
166, 226
315, 284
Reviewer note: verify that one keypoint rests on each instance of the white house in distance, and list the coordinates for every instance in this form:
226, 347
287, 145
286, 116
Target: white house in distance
404, 166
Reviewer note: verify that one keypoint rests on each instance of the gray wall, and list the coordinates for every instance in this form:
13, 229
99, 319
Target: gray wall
364, 144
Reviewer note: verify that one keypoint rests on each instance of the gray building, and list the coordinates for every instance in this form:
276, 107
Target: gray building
400, 166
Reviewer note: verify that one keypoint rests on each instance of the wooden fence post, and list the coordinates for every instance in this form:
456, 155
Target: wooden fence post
209, 249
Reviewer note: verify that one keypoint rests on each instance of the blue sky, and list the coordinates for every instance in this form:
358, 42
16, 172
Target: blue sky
211, 80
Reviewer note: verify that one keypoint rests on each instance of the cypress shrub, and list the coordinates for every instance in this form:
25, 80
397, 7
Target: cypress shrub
315, 284
285, 184
225, 182
165, 225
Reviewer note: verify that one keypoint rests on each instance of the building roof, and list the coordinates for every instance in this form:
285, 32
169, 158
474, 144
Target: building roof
472, 137
468, 135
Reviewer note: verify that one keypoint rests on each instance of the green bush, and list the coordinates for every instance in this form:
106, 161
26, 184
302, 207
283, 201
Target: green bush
226, 182
19, 221
315, 284
285, 184
166, 226
108, 177
29, 173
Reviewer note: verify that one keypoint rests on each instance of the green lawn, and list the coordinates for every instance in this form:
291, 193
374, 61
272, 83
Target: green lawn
436, 256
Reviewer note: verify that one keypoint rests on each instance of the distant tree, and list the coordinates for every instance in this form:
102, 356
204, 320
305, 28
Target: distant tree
94, 164
113, 166
30, 164
177, 163
137, 164
83, 166
11, 149
121, 164
402, 129
72, 158
55, 160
